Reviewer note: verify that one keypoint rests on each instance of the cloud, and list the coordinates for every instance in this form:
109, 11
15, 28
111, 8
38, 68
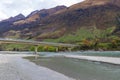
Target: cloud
10, 8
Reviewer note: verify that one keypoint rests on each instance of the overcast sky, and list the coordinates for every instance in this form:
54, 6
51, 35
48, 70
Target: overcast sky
10, 8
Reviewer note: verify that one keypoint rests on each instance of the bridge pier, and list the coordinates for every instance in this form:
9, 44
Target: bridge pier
36, 49
0, 46
57, 49
36, 52
70, 49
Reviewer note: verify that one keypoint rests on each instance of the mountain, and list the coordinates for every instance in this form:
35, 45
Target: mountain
92, 16
6, 24
100, 13
20, 22
38, 15
89, 19
90, 3
15, 18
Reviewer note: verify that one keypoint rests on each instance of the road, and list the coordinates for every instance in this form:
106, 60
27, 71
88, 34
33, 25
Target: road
13, 67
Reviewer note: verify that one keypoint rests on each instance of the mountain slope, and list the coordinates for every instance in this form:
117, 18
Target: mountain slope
90, 13
19, 23
91, 16
39, 15
6, 24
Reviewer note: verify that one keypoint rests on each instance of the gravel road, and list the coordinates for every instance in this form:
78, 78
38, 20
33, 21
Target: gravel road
13, 67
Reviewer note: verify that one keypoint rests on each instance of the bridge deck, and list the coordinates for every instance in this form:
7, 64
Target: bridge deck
18, 41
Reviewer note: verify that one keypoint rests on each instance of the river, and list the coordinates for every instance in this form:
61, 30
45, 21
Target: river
80, 69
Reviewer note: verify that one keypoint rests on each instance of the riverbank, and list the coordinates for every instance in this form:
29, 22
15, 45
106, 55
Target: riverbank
79, 69
80, 66
14, 67
111, 57
111, 60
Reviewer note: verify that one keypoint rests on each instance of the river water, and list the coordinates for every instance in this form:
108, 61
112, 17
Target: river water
80, 69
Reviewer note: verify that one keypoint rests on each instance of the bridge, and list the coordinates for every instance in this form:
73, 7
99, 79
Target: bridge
35, 43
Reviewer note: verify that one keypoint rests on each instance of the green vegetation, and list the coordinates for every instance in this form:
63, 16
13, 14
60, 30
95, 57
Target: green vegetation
87, 39
84, 33
91, 39
44, 48
15, 47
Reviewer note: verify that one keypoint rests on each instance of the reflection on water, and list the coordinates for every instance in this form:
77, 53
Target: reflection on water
80, 69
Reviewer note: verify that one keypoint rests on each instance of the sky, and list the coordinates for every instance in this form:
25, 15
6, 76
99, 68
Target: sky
9, 8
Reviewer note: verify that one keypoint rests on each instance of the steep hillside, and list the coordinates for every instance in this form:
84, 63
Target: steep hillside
15, 18
90, 14
88, 19
19, 22
39, 15
6, 24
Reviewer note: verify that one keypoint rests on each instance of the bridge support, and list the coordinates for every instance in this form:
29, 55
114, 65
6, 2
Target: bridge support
0, 46
36, 49
36, 52
70, 49
57, 49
